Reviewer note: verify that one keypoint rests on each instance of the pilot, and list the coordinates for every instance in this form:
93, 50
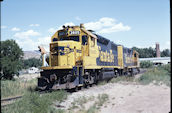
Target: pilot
44, 55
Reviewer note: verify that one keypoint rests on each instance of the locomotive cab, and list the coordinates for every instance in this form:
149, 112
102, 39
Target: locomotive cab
66, 47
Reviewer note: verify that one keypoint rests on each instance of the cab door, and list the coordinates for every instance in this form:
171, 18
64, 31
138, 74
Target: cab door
84, 45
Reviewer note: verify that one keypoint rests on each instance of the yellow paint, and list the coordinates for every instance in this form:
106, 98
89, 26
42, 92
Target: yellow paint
120, 56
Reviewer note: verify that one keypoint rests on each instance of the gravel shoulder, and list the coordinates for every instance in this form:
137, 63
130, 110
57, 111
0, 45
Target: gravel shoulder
124, 98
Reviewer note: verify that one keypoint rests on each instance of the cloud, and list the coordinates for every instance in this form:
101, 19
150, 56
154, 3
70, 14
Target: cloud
25, 41
44, 41
15, 29
34, 25
3, 27
67, 24
26, 34
107, 25
29, 44
53, 30
103, 25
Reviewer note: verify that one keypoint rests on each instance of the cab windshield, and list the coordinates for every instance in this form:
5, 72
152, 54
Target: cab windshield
74, 38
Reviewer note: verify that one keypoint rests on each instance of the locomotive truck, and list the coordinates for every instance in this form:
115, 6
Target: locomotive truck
79, 58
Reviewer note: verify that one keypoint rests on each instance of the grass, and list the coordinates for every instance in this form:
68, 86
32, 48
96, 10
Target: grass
118, 79
34, 102
92, 109
102, 82
79, 104
101, 99
158, 74
11, 88
122, 78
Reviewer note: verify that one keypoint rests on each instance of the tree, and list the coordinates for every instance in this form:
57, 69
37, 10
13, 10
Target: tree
11, 59
150, 52
145, 52
165, 53
32, 62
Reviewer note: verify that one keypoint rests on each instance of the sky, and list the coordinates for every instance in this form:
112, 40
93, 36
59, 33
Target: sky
139, 23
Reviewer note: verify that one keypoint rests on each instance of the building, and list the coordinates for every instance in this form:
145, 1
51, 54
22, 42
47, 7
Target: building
158, 53
157, 60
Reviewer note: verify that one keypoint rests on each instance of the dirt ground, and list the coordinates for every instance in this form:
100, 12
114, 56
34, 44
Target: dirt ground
126, 98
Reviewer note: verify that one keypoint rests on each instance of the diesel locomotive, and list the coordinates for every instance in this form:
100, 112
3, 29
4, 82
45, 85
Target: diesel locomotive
79, 58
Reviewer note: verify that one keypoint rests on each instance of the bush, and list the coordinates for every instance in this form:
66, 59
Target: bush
11, 59
166, 67
146, 64
158, 74
32, 62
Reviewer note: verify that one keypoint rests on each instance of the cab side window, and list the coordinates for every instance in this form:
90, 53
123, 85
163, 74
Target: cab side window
55, 39
92, 42
84, 40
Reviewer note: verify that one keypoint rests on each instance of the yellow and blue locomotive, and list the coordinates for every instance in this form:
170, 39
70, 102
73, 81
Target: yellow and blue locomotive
79, 57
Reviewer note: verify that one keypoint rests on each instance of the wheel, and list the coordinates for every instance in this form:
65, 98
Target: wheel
87, 86
76, 89
81, 88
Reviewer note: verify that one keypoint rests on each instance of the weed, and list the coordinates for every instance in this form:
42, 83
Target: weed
74, 105
92, 109
158, 74
13, 88
102, 99
34, 102
102, 83
122, 78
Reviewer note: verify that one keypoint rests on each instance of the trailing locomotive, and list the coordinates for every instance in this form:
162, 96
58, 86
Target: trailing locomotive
79, 58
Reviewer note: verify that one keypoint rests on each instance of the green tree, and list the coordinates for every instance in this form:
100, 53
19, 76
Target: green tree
11, 59
165, 53
145, 52
32, 62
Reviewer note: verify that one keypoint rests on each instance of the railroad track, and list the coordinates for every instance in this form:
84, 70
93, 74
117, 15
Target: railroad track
8, 101
11, 100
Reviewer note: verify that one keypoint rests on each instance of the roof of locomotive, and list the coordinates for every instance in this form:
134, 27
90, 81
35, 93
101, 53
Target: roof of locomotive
105, 41
100, 38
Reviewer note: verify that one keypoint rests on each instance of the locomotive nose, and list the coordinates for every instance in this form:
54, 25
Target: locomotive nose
64, 53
